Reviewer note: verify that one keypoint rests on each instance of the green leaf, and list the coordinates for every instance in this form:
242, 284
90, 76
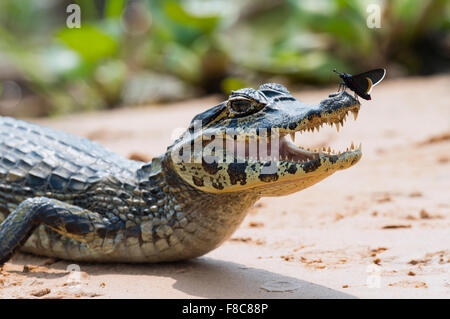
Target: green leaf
114, 8
90, 42
177, 13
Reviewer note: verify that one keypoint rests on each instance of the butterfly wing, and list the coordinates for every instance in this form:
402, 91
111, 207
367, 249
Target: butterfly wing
367, 80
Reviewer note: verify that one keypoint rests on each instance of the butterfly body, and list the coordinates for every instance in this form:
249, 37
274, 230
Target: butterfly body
362, 84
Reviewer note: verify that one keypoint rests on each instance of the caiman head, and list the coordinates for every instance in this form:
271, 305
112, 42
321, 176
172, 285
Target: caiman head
243, 144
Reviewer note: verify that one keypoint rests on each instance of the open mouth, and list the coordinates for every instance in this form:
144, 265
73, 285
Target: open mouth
289, 152
259, 147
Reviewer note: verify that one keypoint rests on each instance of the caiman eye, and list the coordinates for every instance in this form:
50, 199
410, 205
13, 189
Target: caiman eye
243, 106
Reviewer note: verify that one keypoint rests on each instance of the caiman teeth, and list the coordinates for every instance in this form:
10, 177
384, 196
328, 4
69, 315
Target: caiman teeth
337, 119
318, 152
301, 154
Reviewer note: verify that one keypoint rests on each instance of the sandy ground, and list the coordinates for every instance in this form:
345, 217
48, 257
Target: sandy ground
380, 229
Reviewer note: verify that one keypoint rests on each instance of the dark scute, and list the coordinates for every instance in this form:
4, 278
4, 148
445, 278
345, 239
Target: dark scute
57, 182
197, 181
236, 171
210, 168
333, 159
292, 169
8, 163
77, 185
311, 166
35, 181
24, 164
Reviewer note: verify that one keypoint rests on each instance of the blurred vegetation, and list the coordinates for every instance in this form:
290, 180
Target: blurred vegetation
134, 52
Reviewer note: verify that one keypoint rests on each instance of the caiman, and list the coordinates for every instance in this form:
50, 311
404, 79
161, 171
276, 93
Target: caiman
67, 197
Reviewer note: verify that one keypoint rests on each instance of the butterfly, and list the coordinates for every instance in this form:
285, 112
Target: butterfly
362, 84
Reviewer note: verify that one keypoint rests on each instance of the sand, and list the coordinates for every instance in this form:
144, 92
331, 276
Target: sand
380, 229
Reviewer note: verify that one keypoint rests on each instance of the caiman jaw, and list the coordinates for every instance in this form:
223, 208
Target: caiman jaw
299, 168
289, 152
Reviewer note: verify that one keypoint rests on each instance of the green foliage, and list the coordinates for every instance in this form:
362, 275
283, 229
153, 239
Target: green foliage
175, 12
114, 9
198, 46
91, 43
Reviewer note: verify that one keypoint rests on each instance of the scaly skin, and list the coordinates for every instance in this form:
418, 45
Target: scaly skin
67, 197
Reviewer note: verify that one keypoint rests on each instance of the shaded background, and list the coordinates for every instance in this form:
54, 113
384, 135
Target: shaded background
141, 52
